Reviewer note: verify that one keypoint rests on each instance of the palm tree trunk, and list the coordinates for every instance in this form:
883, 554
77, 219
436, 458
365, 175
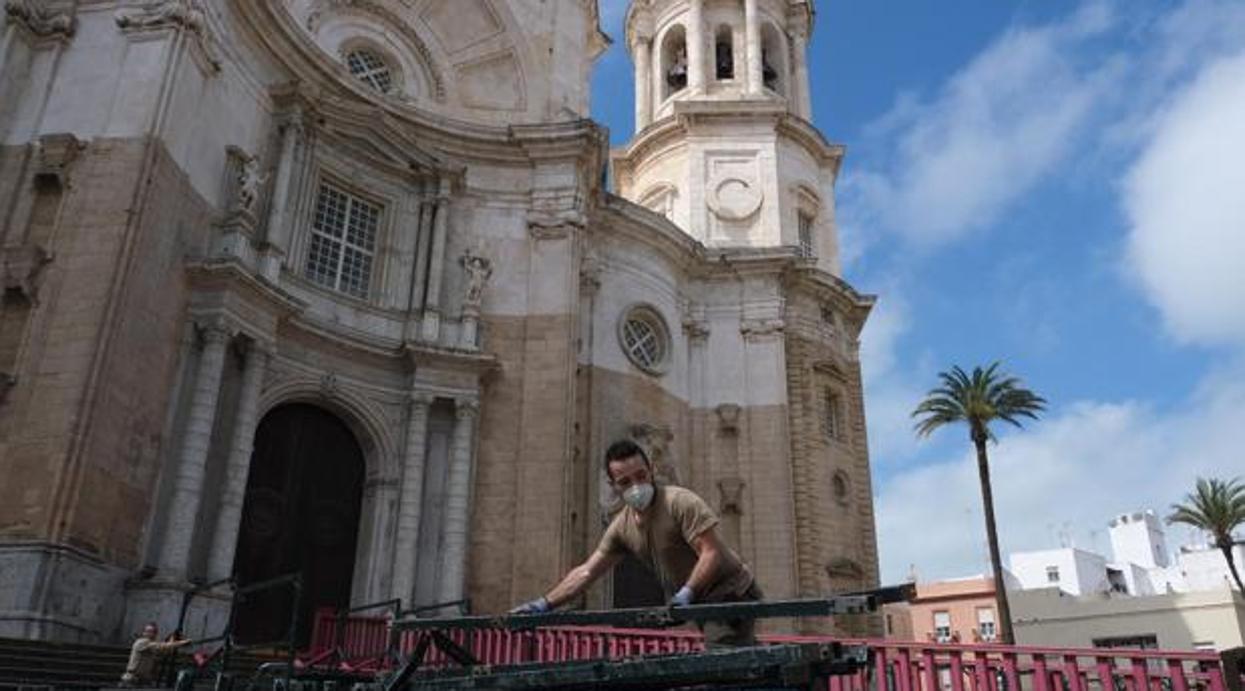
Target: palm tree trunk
992, 536
1227, 554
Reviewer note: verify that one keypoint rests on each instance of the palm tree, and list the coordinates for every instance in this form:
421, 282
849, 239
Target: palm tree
977, 400
1217, 507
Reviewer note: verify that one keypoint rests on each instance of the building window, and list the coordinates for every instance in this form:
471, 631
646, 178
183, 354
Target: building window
942, 627
804, 227
370, 68
724, 54
839, 486
645, 339
343, 241
1052, 574
985, 624
674, 61
832, 420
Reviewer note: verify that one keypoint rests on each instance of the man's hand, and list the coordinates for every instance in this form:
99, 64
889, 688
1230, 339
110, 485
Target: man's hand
538, 606
682, 598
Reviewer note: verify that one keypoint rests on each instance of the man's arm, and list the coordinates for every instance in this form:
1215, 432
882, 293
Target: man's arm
709, 551
580, 577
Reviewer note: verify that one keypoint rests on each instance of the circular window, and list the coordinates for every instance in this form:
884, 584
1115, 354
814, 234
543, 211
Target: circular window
370, 68
645, 339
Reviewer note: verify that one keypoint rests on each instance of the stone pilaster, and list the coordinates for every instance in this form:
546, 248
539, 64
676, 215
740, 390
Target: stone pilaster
229, 516
457, 495
642, 51
801, 98
410, 503
188, 486
436, 265
752, 47
696, 46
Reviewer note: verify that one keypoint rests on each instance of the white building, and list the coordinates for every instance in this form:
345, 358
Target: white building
1142, 564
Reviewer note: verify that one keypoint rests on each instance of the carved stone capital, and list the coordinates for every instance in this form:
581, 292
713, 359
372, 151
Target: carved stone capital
20, 269
731, 490
57, 152
420, 400
761, 328
466, 408
728, 417
697, 330
41, 19
161, 14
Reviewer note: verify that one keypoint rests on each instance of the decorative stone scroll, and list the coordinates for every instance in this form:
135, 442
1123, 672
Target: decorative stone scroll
40, 19
159, 14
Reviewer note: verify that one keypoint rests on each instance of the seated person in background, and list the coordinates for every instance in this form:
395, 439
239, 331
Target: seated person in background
674, 533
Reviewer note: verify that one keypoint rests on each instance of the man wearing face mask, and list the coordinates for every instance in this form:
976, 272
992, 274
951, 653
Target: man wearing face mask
674, 533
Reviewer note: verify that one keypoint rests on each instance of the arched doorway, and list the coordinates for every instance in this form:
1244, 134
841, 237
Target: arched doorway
303, 497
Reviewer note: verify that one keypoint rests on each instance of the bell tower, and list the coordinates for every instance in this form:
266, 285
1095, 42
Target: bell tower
724, 146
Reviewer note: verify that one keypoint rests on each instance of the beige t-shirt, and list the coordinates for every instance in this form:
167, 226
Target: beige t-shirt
663, 543
142, 664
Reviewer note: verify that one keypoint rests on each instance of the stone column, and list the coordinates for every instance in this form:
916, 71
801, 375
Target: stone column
803, 102
229, 517
752, 47
642, 51
277, 236
457, 493
436, 266
696, 46
410, 503
184, 508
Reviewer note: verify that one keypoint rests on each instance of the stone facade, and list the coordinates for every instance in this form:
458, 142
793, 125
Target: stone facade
393, 212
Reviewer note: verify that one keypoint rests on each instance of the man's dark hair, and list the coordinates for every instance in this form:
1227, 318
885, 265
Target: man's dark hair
622, 450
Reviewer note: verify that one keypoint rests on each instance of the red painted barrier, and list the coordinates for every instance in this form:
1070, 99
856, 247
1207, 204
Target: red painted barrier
362, 643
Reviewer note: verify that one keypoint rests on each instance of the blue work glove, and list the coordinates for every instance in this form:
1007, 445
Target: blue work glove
682, 598
538, 606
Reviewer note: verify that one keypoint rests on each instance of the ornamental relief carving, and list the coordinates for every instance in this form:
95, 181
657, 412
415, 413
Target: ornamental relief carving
40, 19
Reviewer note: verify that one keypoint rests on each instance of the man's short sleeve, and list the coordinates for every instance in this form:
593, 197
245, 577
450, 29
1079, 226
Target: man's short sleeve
611, 544
692, 514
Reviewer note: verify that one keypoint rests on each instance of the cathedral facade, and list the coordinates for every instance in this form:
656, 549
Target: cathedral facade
338, 288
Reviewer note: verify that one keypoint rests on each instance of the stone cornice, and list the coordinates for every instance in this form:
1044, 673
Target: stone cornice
690, 115
827, 286
630, 220
470, 361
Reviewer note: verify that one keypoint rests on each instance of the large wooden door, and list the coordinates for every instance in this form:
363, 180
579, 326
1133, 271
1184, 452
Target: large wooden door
301, 515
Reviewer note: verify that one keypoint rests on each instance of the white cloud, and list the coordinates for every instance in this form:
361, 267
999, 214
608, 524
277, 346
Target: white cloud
1079, 468
992, 132
890, 390
1185, 199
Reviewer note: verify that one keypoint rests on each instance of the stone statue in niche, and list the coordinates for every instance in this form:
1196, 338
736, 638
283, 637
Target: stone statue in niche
250, 181
478, 269
676, 76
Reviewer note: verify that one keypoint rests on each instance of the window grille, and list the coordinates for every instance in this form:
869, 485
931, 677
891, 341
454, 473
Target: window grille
371, 69
645, 339
1052, 574
805, 227
343, 241
831, 421
986, 628
942, 627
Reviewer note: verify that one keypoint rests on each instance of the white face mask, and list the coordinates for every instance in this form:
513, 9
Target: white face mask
639, 496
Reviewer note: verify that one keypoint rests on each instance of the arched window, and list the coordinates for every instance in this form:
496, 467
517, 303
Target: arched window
673, 61
370, 68
724, 53
773, 59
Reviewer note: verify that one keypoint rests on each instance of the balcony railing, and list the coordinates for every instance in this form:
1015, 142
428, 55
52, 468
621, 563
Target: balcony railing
367, 644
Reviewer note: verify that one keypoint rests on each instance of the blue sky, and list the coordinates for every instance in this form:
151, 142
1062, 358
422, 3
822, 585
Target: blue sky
1056, 185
